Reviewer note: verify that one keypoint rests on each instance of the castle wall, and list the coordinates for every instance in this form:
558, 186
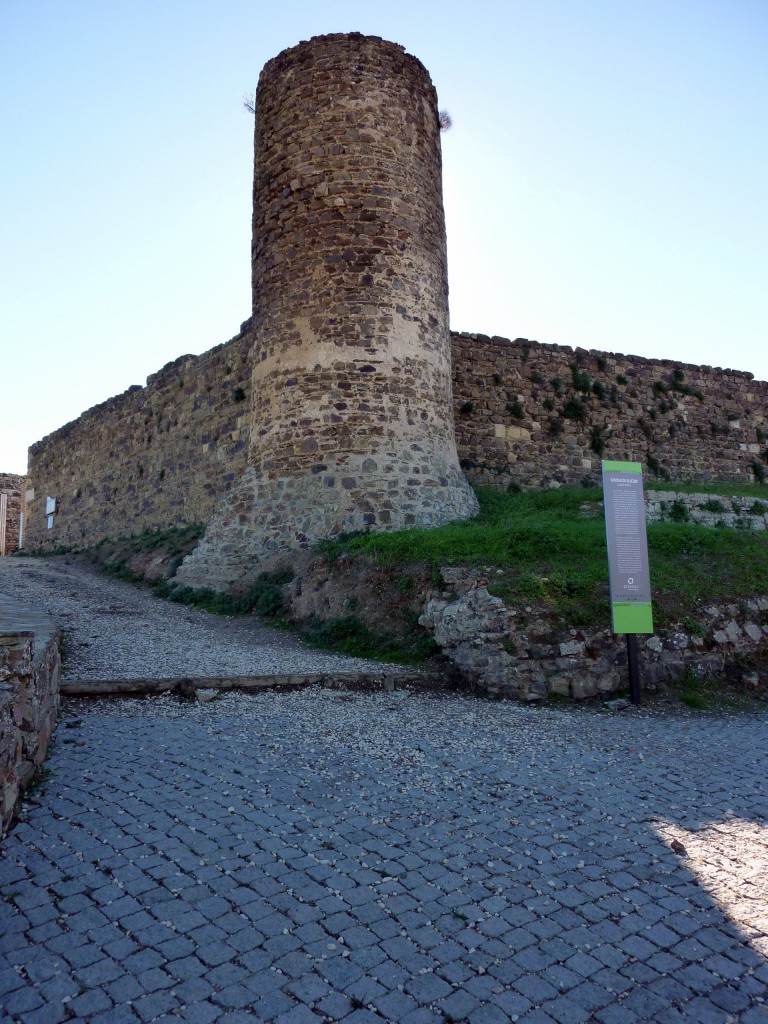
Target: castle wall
11, 487
166, 453
534, 415
152, 457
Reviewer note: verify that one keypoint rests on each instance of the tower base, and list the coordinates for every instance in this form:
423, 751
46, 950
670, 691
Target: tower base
263, 518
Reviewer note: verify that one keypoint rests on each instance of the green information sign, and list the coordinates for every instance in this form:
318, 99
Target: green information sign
628, 569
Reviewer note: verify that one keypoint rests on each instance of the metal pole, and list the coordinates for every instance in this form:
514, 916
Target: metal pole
634, 669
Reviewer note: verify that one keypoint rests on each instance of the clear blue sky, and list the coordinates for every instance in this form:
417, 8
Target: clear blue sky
605, 179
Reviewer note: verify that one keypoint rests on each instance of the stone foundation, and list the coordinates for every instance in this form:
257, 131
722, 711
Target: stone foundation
516, 652
263, 518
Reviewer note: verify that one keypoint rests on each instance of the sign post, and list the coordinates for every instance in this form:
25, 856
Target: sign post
628, 569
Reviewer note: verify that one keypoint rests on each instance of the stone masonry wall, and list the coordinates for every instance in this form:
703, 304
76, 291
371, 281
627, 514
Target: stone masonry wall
29, 703
353, 427
706, 509
12, 486
155, 456
519, 652
537, 415
163, 454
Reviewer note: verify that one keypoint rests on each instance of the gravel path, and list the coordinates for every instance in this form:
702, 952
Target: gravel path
115, 630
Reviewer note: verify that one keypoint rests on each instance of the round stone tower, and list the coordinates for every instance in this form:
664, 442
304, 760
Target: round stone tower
352, 421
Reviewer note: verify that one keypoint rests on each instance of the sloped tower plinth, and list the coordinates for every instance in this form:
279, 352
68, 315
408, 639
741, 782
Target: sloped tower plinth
352, 423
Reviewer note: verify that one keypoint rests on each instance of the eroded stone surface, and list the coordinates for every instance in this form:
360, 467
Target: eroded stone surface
520, 652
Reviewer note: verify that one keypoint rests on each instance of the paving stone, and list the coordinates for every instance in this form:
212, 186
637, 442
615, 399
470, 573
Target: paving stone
204, 1012
272, 1005
566, 1011
450, 901
427, 988
90, 1002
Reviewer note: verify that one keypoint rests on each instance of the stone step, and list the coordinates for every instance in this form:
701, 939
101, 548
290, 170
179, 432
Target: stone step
387, 679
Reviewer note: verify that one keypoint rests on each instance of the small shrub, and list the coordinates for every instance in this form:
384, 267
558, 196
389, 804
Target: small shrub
601, 364
575, 409
580, 380
536, 378
38, 784
713, 505
597, 440
693, 627
758, 471
758, 508
351, 636
557, 385
660, 387
466, 408
654, 465
621, 379
678, 511
406, 584
515, 409
264, 597
548, 404
555, 427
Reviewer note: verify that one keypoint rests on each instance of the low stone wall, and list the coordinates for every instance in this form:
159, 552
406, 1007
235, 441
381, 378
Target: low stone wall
29, 704
516, 652
706, 510
11, 487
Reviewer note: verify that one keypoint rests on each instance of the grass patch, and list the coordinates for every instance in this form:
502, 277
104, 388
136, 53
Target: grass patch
349, 635
263, 597
37, 785
708, 694
549, 553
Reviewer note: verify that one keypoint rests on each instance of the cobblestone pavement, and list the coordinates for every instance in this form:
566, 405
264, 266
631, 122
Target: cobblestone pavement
325, 856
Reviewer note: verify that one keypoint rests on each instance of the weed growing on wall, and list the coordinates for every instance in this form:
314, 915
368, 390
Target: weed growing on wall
597, 440
580, 380
515, 409
575, 409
